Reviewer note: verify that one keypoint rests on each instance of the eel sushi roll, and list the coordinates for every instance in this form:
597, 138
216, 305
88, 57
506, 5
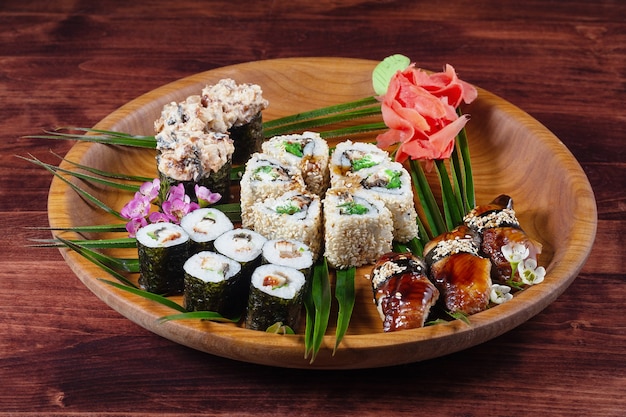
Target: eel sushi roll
289, 252
214, 282
461, 275
293, 215
204, 226
350, 158
195, 157
403, 294
309, 152
498, 226
236, 109
163, 248
266, 177
276, 294
358, 229
391, 183
242, 245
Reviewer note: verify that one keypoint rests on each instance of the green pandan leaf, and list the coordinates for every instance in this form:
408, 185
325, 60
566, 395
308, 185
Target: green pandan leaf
386, 69
198, 315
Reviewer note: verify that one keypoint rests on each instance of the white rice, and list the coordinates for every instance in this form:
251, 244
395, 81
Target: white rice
161, 235
206, 224
242, 245
211, 267
288, 252
294, 280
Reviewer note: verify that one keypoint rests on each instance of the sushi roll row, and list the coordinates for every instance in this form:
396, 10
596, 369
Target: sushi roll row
199, 138
219, 268
370, 203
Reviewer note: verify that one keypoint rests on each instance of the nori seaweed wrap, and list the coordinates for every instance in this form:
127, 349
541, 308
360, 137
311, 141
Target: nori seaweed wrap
275, 296
247, 138
214, 282
163, 248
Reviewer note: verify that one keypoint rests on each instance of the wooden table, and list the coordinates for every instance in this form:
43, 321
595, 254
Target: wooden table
64, 352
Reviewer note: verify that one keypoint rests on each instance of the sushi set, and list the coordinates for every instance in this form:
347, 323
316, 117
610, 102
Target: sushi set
321, 205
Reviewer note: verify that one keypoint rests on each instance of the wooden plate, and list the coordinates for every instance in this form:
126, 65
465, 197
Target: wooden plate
512, 153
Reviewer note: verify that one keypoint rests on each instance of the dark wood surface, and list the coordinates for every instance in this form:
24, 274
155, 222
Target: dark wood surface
64, 352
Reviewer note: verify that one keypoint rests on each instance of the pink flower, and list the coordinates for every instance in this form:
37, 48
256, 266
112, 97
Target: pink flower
420, 111
138, 207
151, 189
205, 196
135, 224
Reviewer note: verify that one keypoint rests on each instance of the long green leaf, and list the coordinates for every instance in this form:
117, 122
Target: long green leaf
76, 188
433, 218
452, 211
324, 111
120, 264
198, 315
105, 174
99, 228
91, 178
147, 295
463, 146
321, 295
353, 130
99, 136
322, 121
345, 294
120, 243
88, 255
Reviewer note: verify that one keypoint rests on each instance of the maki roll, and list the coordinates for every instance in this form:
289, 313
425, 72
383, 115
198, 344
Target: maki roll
403, 294
242, 245
307, 151
289, 252
293, 215
163, 248
266, 177
498, 226
391, 183
276, 294
350, 158
214, 282
461, 275
236, 109
204, 226
195, 157
358, 229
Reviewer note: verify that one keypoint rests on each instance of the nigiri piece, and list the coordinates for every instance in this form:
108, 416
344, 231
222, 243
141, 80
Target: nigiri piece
402, 291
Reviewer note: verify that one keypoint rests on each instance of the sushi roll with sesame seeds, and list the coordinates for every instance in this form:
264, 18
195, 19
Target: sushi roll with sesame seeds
214, 282
162, 250
204, 226
266, 177
236, 109
293, 215
350, 158
358, 229
244, 246
276, 294
309, 152
391, 183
